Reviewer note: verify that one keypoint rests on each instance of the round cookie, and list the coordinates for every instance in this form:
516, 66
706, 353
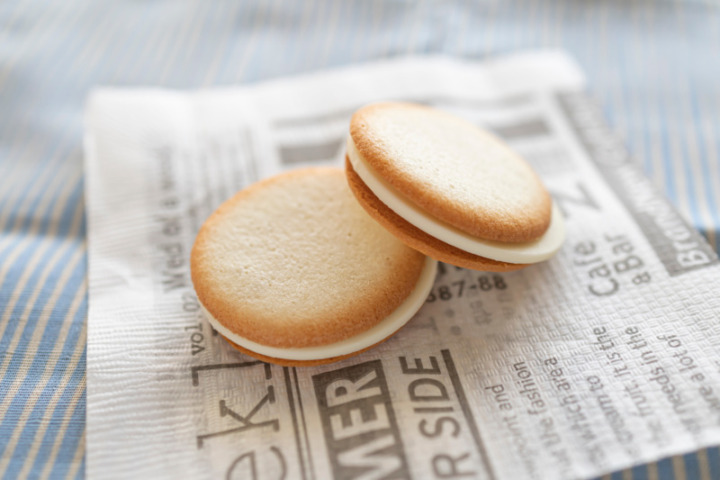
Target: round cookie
450, 189
416, 238
292, 270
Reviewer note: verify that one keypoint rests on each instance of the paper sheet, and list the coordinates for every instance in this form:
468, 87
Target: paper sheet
604, 357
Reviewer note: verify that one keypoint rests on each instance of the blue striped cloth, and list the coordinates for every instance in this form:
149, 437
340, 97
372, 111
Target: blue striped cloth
654, 66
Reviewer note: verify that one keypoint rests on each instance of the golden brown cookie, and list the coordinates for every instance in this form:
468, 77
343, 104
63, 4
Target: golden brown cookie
293, 270
416, 238
471, 199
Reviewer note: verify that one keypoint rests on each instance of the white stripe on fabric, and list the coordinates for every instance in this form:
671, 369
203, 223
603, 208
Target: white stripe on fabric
678, 467
652, 471
703, 465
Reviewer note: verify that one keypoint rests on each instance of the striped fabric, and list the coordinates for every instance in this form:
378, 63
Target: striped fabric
653, 65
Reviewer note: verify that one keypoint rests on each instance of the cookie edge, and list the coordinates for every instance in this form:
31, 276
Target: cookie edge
416, 238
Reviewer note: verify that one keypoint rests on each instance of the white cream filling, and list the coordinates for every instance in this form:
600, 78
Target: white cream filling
392, 323
529, 252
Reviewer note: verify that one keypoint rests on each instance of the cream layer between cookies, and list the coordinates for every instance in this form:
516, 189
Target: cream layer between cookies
529, 252
391, 324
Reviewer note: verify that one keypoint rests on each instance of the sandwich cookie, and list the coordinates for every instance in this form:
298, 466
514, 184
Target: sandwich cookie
449, 189
293, 271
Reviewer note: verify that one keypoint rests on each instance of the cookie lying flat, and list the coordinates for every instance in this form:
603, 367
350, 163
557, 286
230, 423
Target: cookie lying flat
450, 189
293, 271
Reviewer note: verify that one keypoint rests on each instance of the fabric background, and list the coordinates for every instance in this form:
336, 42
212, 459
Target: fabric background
653, 66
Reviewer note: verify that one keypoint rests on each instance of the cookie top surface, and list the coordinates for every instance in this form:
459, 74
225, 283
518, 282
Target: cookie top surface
293, 261
347, 346
453, 170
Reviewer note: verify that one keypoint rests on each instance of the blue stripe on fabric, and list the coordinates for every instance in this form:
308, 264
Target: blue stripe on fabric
64, 403
31, 245
29, 326
670, 189
713, 456
12, 278
50, 337
73, 436
39, 413
692, 465
15, 272
640, 472
81, 470
648, 163
665, 469
50, 334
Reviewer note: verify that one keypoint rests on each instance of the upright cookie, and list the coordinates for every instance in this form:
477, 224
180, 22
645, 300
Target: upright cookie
450, 189
292, 270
